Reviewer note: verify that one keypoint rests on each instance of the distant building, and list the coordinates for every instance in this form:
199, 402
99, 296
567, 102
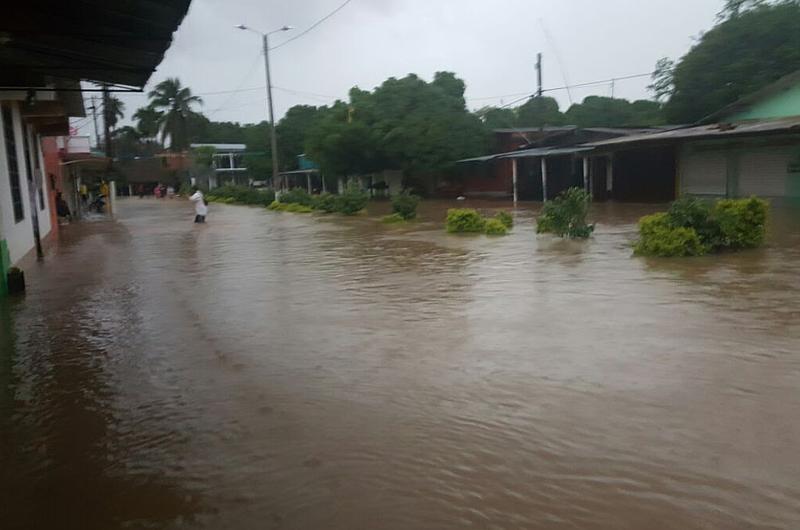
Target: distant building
228, 164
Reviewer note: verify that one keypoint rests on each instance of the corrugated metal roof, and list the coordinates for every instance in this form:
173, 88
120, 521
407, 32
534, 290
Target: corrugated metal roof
222, 147
747, 128
478, 159
544, 152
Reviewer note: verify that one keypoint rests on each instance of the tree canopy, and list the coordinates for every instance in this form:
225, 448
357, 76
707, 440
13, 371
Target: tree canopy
408, 124
174, 101
754, 44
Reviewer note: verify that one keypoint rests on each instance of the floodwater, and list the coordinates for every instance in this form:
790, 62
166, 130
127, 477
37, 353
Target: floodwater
274, 370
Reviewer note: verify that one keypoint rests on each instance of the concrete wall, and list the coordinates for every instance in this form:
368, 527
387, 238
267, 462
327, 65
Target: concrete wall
778, 106
19, 235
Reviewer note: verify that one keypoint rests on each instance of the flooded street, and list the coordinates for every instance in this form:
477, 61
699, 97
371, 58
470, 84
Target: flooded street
273, 370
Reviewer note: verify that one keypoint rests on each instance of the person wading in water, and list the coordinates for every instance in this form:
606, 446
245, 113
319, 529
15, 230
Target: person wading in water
200, 206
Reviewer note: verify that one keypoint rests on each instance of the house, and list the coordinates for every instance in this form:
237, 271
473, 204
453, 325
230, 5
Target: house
751, 147
42, 63
535, 163
228, 164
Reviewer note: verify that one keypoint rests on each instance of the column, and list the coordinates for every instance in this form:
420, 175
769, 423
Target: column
544, 179
610, 174
586, 174
514, 178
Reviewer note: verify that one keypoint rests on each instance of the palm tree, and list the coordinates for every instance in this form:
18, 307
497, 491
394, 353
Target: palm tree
114, 110
176, 102
147, 121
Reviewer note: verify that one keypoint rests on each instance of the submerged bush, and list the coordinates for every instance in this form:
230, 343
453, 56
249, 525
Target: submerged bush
352, 201
565, 216
296, 196
393, 219
405, 205
290, 207
324, 202
506, 218
660, 237
741, 223
495, 227
692, 227
464, 220
231, 194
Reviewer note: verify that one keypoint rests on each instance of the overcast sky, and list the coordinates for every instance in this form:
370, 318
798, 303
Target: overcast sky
491, 44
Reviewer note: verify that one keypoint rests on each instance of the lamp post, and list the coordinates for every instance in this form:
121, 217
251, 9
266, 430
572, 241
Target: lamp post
272, 135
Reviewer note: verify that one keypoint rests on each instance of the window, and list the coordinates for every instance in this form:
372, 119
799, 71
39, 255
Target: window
13, 163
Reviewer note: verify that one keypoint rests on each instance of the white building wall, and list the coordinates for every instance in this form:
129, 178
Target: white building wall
18, 235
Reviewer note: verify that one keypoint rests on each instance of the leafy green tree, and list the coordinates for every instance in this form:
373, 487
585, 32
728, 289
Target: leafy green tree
539, 112
753, 45
204, 156
407, 124
292, 131
175, 102
497, 118
599, 111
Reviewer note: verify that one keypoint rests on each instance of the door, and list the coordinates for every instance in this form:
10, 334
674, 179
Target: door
704, 173
765, 172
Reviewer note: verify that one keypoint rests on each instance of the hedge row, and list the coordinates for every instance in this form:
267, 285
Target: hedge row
468, 220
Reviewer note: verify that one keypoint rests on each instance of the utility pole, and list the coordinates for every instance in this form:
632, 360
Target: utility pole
540, 90
94, 118
613, 87
273, 139
106, 125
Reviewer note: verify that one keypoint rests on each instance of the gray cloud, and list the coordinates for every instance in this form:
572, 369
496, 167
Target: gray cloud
492, 45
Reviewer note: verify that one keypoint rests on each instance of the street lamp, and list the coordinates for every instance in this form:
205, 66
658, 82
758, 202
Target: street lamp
273, 139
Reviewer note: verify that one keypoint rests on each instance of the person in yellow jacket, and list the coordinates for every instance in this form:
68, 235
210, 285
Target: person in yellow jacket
104, 189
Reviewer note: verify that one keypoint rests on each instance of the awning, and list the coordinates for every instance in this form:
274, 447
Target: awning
117, 42
478, 159
544, 152
300, 172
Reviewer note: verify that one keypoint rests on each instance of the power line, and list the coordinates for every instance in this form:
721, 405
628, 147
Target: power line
314, 25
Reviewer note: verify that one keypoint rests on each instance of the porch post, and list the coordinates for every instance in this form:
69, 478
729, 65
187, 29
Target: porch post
514, 178
308, 182
322, 178
112, 197
586, 174
610, 174
544, 179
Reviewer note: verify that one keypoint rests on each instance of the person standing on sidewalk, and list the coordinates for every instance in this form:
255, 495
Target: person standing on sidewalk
200, 205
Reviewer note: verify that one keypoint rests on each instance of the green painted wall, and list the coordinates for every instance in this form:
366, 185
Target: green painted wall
5, 264
780, 105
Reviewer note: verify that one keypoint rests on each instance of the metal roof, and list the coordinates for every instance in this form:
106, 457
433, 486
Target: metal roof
545, 152
784, 83
732, 130
117, 42
540, 152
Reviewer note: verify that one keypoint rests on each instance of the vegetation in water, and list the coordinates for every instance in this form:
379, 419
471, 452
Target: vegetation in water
324, 202
405, 205
292, 207
506, 218
692, 227
469, 221
296, 196
352, 201
565, 216
393, 219
241, 195
494, 227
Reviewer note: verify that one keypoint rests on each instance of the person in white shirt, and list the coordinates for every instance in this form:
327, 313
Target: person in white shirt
200, 206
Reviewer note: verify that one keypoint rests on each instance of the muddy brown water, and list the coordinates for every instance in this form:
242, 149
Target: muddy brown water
285, 371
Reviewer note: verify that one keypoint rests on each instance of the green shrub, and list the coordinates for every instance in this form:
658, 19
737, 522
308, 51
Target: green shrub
405, 205
324, 202
693, 227
296, 196
741, 223
495, 227
241, 195
566, 215
393, 219
506, 218
292, 207
659, 237
352, 201
464, 220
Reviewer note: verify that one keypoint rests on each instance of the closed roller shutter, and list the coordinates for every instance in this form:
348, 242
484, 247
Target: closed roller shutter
764, 173
704, 174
